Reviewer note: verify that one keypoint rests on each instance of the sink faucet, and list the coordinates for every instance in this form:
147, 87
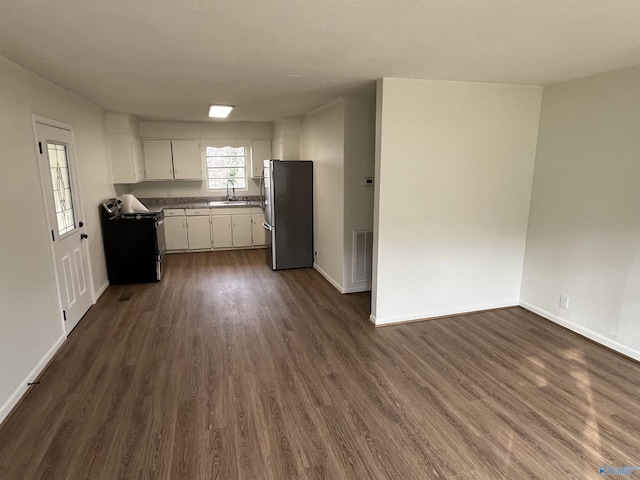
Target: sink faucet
233, 189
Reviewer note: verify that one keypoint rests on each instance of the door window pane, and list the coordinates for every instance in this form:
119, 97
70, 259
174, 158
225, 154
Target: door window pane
61, 185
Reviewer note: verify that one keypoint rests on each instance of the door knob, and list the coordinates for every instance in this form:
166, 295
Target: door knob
83, 236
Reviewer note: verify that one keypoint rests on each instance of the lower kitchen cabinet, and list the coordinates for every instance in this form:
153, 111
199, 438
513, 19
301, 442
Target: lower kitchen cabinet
175, 231
221, 231
199, 232
214, 228
241, 230
258, 233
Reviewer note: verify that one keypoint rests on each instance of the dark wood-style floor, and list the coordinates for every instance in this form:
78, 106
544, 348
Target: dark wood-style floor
228, 370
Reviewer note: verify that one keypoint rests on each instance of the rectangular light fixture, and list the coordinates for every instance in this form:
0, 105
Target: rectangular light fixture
219, 111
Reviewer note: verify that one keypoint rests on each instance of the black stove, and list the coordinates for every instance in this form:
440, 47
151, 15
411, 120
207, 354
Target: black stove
134, 244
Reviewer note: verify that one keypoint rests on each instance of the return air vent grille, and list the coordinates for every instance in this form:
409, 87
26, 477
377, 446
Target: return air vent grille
362, 255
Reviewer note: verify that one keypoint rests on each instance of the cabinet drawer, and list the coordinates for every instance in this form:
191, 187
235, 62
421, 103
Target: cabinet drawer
197, 212
173, 212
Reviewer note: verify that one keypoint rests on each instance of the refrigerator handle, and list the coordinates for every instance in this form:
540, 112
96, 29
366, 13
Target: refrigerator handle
261, 188
266, 226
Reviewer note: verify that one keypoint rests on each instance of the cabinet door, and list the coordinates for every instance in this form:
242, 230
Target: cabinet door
259, 235
187, 160
221, 231
138, 160
241, 230
175, 231
260, 150
157, 159
199, 233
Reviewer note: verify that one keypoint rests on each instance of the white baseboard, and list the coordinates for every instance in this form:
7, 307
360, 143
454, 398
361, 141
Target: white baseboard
327, 277
37, 370
440, 314
364, 287
99, 293
585, 332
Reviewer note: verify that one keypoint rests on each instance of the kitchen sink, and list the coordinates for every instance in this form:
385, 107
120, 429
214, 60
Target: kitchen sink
234, 203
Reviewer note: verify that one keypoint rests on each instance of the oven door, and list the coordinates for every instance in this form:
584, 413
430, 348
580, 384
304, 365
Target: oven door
160, 238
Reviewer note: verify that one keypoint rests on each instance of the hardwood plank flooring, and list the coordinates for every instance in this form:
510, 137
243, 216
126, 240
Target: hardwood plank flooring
227, 370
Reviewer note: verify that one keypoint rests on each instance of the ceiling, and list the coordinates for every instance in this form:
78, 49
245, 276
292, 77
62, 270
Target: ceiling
169, 59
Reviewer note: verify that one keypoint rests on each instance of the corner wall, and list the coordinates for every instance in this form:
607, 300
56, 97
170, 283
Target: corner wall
322, 140
584, 229
454, 169
30, 319
359, 162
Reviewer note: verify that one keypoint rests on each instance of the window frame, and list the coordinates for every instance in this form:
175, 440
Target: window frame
233, 144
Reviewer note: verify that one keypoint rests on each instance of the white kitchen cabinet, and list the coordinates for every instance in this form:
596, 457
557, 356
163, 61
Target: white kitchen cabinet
158, 159
221, 231
187, 159
175, 230
241, 230
259, 235
199, 232
127, 161
172, 159
260, 151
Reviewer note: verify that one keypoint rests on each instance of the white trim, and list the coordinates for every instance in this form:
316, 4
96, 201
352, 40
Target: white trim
360, 287
443, 313
99, 293
585, 332
51, 123
328, 277
323, 106
23, 387
364, 287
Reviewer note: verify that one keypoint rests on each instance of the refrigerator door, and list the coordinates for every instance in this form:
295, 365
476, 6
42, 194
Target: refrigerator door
291, 186
268, 192
271, 256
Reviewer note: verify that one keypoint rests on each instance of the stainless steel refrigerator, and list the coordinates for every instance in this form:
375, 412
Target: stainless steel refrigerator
287, 199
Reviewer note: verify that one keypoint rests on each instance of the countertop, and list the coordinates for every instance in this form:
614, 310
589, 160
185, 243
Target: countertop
159, 204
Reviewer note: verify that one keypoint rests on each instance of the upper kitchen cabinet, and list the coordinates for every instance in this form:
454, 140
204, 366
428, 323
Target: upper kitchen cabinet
127, 162
172, 159
187, 159
125, 148
260, 151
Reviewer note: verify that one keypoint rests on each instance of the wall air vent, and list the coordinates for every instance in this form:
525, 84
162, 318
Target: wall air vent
362, 255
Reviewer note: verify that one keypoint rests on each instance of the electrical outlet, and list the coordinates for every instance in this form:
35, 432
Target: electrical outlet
564, 301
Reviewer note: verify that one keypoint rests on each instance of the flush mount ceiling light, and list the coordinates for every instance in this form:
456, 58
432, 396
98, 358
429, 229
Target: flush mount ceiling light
219, 111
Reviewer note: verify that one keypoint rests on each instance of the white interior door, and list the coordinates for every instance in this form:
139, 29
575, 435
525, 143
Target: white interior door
55, 148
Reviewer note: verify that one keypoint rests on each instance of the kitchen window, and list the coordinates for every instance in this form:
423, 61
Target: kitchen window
227, 167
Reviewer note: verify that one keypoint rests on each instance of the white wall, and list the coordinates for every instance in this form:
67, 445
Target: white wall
454, 173
584, 227
192, 131
30, 324
322, 141
359, 162
286, 138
